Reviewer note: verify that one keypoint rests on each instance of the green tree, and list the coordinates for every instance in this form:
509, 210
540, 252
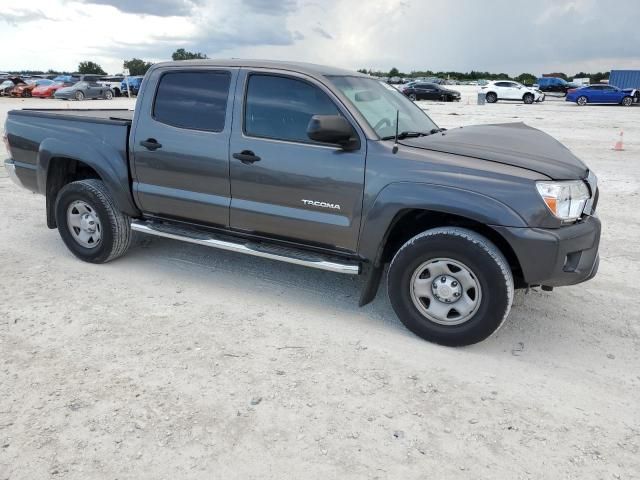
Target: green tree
527, 78
137, 66
394, 72
90, 67
182, 54
363, 70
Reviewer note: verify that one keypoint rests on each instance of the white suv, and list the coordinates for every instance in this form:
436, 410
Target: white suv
510, 90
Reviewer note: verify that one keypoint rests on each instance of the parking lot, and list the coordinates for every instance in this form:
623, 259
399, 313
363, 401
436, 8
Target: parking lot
177, 359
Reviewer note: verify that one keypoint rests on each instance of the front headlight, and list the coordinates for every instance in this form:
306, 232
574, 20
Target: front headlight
566, 200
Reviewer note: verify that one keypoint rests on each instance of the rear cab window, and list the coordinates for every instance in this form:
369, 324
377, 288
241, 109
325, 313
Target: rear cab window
195, 100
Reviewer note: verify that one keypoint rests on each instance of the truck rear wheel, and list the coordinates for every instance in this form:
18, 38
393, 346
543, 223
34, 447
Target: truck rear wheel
90, 224
450, 286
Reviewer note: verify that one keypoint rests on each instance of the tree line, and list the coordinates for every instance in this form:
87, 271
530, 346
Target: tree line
525, 78
138, 66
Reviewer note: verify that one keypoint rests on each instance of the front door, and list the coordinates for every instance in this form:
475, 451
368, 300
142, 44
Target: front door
283, 184
181, 145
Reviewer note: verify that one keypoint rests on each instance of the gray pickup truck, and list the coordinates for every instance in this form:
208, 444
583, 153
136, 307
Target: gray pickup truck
325, 168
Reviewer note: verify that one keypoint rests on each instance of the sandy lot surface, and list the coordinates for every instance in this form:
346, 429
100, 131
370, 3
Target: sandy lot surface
179, 361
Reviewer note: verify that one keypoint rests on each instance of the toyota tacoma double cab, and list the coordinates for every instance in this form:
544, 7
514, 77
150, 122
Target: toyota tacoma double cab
325, 168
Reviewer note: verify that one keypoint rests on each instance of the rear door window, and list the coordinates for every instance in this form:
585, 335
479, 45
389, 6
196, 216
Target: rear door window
193, 100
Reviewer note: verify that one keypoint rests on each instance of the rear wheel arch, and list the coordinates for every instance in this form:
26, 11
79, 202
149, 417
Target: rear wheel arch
491, 96
59, 172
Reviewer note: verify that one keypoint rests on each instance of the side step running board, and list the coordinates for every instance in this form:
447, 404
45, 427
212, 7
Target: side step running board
232, 244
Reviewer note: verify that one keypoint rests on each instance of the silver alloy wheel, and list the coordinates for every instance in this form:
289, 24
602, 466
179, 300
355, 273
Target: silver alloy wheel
108, 95
445, 291
412, 97
79, 96
84, 224
582, 101
626, 101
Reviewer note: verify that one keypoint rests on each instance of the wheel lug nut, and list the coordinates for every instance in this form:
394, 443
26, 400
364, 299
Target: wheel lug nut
456, 294
454, 284
443, 279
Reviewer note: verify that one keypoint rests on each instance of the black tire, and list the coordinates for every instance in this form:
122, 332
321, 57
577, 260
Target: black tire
627, 101
79, 96
115, 225
489, 269
412, 97
528, 98
491, 97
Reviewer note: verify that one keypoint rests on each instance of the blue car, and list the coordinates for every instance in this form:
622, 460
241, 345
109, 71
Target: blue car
601, 94
134, 84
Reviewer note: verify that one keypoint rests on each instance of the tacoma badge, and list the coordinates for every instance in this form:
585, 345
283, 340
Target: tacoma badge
333, 206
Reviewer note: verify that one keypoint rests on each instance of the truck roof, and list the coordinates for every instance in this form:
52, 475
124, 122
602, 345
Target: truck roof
300, 67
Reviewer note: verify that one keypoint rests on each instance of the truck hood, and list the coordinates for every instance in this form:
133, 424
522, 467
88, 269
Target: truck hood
513, 144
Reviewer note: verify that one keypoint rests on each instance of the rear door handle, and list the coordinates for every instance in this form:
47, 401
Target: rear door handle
151, 144
247, 157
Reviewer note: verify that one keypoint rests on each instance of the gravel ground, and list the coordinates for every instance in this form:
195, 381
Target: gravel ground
179, 361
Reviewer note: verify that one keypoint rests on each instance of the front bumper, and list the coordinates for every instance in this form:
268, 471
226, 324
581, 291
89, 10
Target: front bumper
556, 257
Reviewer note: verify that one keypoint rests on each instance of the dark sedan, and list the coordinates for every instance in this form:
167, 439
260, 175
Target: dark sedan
82, 90
430, 91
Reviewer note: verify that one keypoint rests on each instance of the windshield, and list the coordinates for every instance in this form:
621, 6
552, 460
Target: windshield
379, 103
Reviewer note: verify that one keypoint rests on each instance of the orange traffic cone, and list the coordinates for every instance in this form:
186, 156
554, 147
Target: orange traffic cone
619, 145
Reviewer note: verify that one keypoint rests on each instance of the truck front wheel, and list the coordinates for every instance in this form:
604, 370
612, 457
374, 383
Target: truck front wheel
90, 224
450, 286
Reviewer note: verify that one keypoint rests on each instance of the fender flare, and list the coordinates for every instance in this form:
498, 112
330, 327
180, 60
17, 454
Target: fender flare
395, 198
107, 162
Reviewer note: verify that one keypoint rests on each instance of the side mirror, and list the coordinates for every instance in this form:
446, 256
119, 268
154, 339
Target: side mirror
332, 129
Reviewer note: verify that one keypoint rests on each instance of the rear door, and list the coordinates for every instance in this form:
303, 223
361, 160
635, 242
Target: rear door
294, 188
180, 144
429, 92
511, 91
595, 94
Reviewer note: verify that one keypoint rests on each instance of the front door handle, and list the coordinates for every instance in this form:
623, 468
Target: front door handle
247, 157
151, 144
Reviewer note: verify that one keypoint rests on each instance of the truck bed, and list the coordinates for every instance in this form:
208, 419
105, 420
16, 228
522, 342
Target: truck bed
106, 115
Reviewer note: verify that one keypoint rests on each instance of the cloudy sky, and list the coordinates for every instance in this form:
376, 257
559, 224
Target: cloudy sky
511, 36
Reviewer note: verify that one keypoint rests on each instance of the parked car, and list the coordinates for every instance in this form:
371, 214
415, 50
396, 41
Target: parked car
26, 90
114, 83
512, 91
430, 91
8, 85
601, 93
461, 216
66, 79
133, 83
83, 90
554, 85
47, 90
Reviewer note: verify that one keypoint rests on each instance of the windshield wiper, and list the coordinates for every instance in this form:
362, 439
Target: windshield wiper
407, 134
